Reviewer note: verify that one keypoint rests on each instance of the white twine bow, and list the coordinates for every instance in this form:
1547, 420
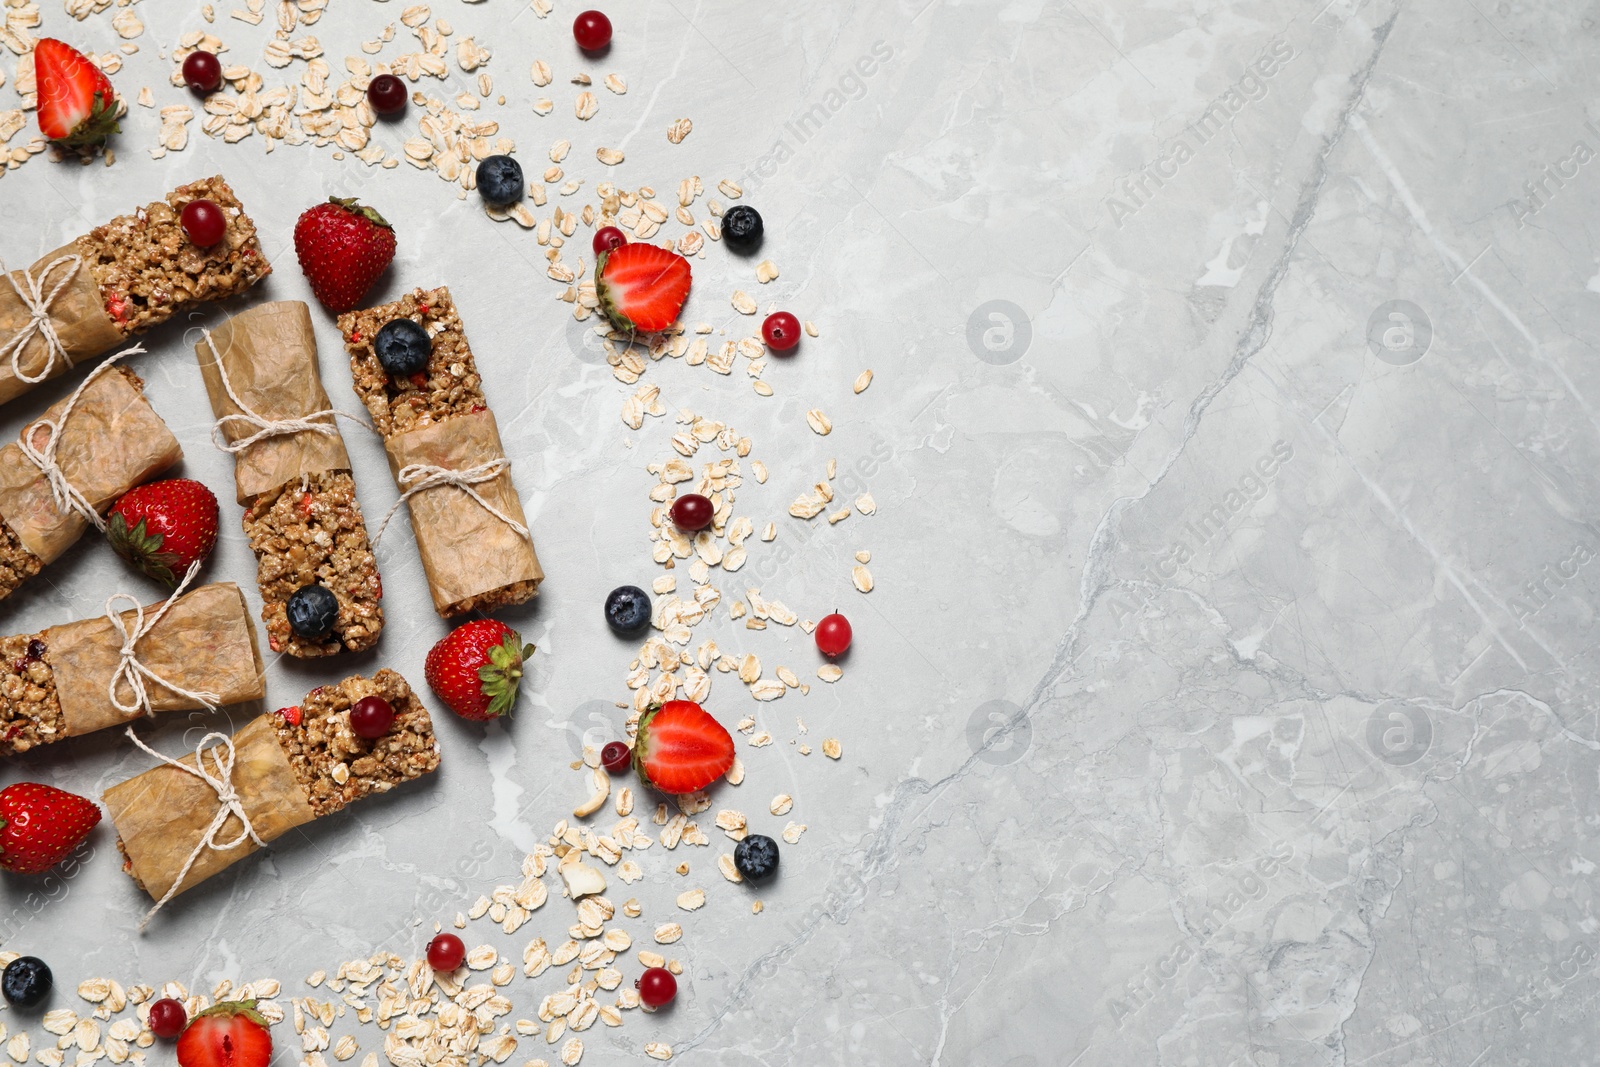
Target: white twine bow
228, 803
265, 427
423, 476
37, 301
64, 493
129, 669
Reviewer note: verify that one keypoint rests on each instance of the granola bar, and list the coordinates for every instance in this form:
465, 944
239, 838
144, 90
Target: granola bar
290, 768
109, 442
136, 271
439, 417
17, 564
301, 513
334, 765
30, 709
311, 530
148, 270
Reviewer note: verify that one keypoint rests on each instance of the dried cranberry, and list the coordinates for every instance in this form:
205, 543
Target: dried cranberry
36, 649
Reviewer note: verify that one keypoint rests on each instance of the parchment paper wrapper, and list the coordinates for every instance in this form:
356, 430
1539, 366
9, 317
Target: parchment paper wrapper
204, 643
270, 356
163, 813
78, 314
113, 441
465, 550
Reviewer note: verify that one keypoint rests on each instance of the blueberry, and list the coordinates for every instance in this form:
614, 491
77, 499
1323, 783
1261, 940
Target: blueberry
312, 611
627, 610
741, 228
500, 181
26, 981
403, 347
756, 857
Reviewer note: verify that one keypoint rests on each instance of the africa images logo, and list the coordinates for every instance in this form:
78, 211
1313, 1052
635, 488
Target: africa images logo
1133, 191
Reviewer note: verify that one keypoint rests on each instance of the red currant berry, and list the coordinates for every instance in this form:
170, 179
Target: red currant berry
167, 1018
371, 717
204, 222
445, 952
592, 31
691, 512
608, 239
781, 331
657, 987
202, 72
387, 94
615, 757
833, 635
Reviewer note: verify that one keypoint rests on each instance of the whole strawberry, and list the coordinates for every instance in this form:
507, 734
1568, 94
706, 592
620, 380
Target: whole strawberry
40, 825
476, 668
77, 105
163, 527
343, 246
228, 1034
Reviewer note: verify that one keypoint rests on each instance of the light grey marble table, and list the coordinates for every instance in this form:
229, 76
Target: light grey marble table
1224, 695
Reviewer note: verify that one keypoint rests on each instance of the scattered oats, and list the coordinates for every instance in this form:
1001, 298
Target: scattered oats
769, 532
345, 1048
838, 516
865, 504
818, 422
766, 271
572, 1052
763, 739
863, 380
630, 871
742, 303
792, 832
59, 1022
862, 577
830, 672
781, 804
17, 1048
127, 24
678, 131
482, 958
543, 106
788, 677
95, 990
735, 775
729, 869
585, 109
616, 84
832, 749
863, 556
657, 1051
761, 387
668, 933
541, 72
692, 900
559, 150
810, 328
729, 189
609, 156
760, 470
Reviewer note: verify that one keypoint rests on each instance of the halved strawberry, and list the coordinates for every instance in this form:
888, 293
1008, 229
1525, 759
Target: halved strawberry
40, 825
77, 105
229, 1034
680, 748
641, 287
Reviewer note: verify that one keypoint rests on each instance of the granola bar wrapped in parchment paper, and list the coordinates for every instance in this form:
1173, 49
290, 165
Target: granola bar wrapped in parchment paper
445, 452
136, 271
292, 474
110, 440
289, 767
57, 683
